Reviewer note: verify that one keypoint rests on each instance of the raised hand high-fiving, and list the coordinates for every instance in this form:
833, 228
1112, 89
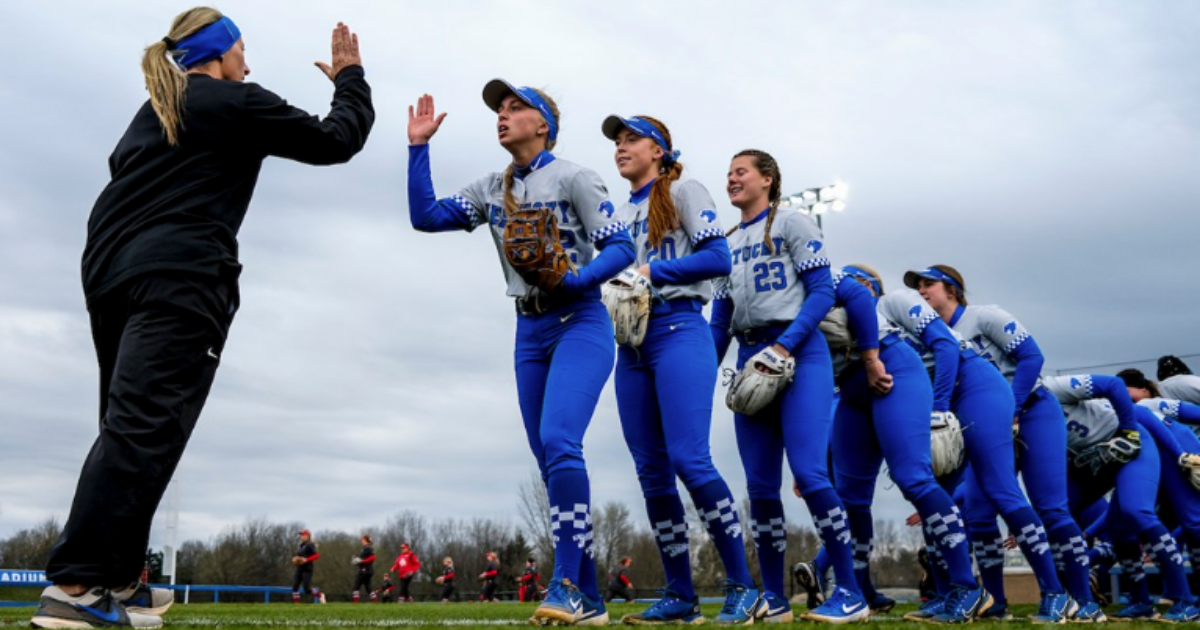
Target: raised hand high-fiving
345, 52
424, 121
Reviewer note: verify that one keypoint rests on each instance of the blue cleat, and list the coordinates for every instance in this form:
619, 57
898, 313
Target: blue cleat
1182, 612
669, 609
774, 609
928, 609
882, 604
563, 605
998, 611
1136, 610
811, 581
1090, 613
842, 607
962, 605
741, 604
1055, 608
593, 613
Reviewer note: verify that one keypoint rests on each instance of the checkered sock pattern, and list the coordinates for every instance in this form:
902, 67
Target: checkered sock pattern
1072, 549
944, 526
769, 547
1026, 527
938, 568
832, 525
587, 567
1129, 554
669, 524
570, 521
988, 546
1102, 553
862, 543
1158, 541
715, 502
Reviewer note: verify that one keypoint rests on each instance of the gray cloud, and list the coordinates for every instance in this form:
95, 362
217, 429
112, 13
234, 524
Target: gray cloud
1046, 151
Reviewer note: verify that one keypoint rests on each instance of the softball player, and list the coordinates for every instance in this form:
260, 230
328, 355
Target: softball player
1041, 444
778, 291
884, 414
1131, 516
364, 562
976, 392
564, 348
664, 385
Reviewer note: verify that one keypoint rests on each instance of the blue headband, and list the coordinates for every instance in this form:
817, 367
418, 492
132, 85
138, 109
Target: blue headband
644, 128
932, 273
496, 89
857, 272
207, 44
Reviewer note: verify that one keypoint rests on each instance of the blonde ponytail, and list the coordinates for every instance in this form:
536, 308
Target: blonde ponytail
167, 82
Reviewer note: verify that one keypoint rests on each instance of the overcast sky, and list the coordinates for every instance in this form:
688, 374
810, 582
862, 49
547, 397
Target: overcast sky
1049, 151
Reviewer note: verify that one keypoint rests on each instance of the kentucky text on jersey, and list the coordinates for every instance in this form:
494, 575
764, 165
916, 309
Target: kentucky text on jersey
750, 252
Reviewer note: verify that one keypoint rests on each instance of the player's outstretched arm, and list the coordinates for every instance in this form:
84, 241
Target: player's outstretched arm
344, 50
424, 121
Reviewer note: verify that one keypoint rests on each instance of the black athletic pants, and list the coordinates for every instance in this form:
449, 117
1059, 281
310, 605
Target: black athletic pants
447, 591
158, 341
362, 580
404, 583
303, 580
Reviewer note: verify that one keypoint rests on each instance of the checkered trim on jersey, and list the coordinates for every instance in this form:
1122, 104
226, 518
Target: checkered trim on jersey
668, 532
1169, 408
721, 294
1033, 538
834, 522
723, 512
924, 321
989, 554
707, 233
577, 517
812, 263
1165, 545
466, 206
1015, 342
1085, 381
600, 234
773, 528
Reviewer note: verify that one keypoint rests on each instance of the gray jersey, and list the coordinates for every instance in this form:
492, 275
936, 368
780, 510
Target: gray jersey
697, 216
994, 334
1185, 387
1090, 420
765, 286
907, 314
576, 195
1165, 409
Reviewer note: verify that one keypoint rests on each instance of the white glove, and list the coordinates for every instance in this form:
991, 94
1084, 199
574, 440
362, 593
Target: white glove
627, 298
1190, 462
946, 443
760, 381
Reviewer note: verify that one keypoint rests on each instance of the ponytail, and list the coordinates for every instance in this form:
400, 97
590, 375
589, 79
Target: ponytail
663, 216
165, 80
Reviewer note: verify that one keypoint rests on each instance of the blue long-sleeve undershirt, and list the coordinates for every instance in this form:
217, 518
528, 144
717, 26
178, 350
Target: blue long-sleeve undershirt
939, 340
1029, 360
616, 253
709, 260
1188, 413
818, 299
718, 325
1159, 431
1113, 389
860, 311
426, 212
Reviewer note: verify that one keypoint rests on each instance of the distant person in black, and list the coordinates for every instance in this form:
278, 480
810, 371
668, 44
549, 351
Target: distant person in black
365, 561
384, 592
528, 591
488, 577
305, 556
446, 579
160, 276
619, 584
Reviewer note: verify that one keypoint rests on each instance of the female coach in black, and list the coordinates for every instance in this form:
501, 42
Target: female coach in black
160, 273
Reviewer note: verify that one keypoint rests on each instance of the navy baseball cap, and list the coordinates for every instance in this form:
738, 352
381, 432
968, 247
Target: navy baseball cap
496, 89
912, 279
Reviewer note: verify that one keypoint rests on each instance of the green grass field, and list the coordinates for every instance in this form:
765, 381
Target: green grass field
315, 617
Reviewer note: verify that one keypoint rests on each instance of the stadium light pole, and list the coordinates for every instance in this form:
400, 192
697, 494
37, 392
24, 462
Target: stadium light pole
819, 201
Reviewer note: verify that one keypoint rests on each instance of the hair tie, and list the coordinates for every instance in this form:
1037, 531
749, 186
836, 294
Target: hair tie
671, 158
171, 44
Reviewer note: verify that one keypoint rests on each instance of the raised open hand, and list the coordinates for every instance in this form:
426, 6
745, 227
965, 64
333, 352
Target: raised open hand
424, 122
345, 52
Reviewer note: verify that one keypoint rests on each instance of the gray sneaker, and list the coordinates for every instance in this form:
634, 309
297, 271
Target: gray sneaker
140, 598
96, 608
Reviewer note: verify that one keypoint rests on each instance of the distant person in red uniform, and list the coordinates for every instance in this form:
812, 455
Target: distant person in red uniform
406, 567
619, 584
365, 561
446, 579
383, 594
489, 576
305, 559
528, 591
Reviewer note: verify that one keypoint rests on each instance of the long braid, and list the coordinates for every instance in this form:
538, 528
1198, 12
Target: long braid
663, 216
768, 167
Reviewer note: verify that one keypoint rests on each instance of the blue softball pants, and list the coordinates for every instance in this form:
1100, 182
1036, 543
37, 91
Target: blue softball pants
563, 358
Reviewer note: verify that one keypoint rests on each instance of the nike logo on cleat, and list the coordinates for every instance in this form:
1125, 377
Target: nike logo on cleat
575, 603
850, 609
111, 616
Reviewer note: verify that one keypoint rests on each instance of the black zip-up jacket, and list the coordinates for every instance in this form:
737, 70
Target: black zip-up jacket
178, 209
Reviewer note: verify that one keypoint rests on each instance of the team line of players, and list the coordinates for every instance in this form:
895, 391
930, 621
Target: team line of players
903, 361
